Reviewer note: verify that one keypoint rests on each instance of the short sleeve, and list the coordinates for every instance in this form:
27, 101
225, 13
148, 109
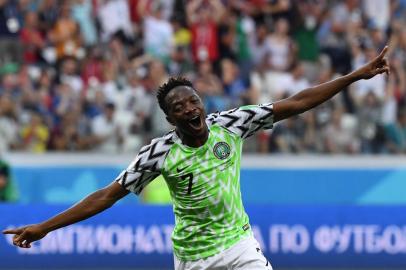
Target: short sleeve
146, 166
246, 120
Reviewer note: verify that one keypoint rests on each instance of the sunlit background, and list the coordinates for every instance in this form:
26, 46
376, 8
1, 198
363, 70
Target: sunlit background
324, 190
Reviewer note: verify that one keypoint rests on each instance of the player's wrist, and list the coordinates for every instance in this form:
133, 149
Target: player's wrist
356, 75
44, 227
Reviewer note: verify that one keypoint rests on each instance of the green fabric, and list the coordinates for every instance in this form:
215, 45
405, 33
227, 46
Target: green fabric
205, 188
307, 44
157, 192
397, 135
204, 182
243, 47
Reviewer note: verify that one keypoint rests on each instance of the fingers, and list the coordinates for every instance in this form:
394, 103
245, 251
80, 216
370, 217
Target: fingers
382, 70
18, 239
21, 240
12, 231
382, 66
385, 64
382, 54
25, 244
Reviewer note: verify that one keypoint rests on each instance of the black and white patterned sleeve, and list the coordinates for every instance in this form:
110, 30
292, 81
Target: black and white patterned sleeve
146, 166
246, 120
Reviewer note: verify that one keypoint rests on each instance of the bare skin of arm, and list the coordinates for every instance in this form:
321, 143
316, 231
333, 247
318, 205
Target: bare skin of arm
311, 97
91, 205
218, 10
191, 10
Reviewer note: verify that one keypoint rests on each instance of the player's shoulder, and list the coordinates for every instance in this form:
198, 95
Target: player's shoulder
245, 120
245, 113
158, 146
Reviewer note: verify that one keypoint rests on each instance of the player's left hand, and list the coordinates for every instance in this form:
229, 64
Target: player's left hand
376, 66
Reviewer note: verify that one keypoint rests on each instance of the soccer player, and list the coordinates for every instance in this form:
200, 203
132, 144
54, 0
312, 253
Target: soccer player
200, 161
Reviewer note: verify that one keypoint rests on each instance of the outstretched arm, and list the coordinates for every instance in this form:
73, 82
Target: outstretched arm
311, 97
88, 207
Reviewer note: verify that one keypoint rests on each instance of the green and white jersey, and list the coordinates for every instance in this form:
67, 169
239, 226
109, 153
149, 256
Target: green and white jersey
204, 182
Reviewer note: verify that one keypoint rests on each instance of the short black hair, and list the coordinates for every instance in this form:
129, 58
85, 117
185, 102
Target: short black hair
164, 89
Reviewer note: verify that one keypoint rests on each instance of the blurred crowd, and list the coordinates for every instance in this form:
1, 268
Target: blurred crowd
81, 75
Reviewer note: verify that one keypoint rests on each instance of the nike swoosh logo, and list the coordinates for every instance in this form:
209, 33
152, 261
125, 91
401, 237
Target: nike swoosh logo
181, 170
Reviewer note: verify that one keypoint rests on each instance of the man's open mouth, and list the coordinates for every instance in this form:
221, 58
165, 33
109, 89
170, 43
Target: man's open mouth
195, 122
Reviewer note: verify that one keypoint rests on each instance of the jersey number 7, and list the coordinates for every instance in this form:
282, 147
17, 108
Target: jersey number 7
188, 177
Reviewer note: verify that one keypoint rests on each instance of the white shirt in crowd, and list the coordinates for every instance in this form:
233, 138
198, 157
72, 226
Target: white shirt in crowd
114, 15
107, 130
158, 36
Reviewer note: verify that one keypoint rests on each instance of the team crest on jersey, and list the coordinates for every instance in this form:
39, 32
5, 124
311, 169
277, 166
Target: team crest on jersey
221, 150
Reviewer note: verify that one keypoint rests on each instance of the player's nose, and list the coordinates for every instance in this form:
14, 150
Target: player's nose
189, 108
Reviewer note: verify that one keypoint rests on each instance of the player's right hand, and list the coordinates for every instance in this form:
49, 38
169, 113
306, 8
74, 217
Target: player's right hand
24, 236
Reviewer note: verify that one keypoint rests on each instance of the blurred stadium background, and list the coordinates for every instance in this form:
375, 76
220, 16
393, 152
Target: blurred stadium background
324, 190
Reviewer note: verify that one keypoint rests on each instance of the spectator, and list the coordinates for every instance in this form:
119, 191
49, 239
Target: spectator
261, 48
236, 89
92, 68
227, 34
286, 138
108, 136
156, 76
8, 191
203, 19
396, 134
210, 88
63, 102
82, 13
182, 36
10, 26
369, 127
297, 81
158, 32
35, 134
281, 47
114, 17
245, 38
69, 75
48, 15
377, 85
110, 87
77, 56
339, 134
73, 133
377, 12
64, 35
8, 124
332, 33
94, 102
279, 9
31, 39
10, 84
305, 34
134, 109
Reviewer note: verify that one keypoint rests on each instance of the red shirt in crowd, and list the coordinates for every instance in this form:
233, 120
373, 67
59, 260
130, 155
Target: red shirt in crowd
204, 41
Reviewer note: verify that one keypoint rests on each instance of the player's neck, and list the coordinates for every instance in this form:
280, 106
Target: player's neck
195, 140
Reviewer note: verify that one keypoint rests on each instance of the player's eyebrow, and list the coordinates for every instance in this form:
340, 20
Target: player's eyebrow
182, 99
177, 102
